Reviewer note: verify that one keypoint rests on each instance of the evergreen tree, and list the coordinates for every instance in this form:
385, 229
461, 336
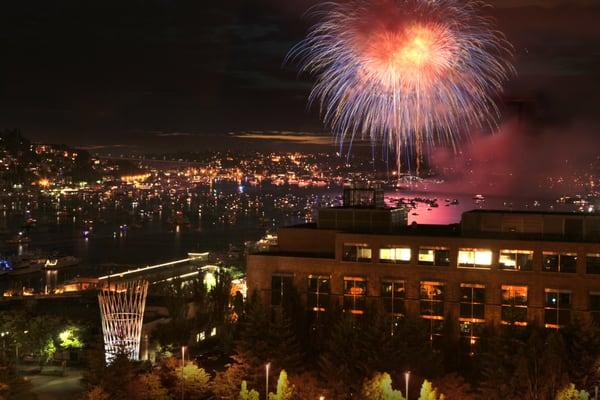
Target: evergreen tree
195, 381
285, 349
429, 393
339, 362
380, 388
247, 395
284, 390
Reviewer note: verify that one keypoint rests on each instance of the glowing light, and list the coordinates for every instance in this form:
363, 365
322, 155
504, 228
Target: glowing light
410, 74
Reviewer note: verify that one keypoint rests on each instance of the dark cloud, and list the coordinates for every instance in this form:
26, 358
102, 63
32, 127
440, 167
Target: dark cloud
100, 72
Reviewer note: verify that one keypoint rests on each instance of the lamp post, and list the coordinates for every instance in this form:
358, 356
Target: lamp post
182, 376
407, 377
267, 381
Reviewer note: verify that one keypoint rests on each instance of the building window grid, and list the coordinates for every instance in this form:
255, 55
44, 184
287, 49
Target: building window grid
319, 292
432, 307
514, 305
436, 256
357, 252
393, 295
472, 312
395, 254
281, 285
595, 308
559, 262
592, 263
557, 311
474, 258
516, 260
355, 294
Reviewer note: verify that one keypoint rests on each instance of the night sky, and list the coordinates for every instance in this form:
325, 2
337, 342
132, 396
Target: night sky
140, 73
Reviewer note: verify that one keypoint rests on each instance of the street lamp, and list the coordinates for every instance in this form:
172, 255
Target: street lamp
407, 377
267, 381
182, 376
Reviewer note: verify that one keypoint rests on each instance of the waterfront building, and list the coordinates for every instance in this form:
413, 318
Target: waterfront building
492, 268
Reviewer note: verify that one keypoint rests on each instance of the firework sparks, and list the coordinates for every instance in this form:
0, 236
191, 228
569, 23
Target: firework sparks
411, 74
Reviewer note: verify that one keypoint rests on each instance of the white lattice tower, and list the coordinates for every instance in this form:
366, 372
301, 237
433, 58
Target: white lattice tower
122, 311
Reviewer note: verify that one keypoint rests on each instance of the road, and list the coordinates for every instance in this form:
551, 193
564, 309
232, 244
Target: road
57, 387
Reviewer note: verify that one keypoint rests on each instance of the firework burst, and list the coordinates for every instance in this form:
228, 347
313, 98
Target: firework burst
411, 74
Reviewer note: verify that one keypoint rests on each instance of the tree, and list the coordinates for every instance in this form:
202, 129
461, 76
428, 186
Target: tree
284, 390
307, 386
454, 387
96, 393
226, 384
380, 388
70, 338
429, 393
571, 393
148, 387
195, 381
118, 377
247, 395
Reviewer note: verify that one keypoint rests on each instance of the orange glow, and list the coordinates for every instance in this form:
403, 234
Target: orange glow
411, 57
44, 183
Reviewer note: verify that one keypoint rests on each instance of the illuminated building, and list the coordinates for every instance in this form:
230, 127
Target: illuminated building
495, 267
122, 311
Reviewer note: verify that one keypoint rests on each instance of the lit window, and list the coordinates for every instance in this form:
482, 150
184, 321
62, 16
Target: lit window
392, 294
595, 307
557, 312
474, 258
559, 262
438, 256
472, 313
514, 305
356, 252
319, 289
281, 287
518, 260
593, 264
398, 255
432, 307
355, 295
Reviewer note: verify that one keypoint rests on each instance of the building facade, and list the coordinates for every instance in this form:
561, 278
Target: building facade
495, 267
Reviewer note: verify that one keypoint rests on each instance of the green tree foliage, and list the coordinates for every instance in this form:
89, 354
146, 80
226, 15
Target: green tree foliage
571, 393
246, 394
195, 380
380, 388
285, 391
70, 338
429, 393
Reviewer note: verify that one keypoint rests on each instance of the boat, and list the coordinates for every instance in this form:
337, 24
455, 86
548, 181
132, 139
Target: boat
61, 262
19, 238
478, 197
